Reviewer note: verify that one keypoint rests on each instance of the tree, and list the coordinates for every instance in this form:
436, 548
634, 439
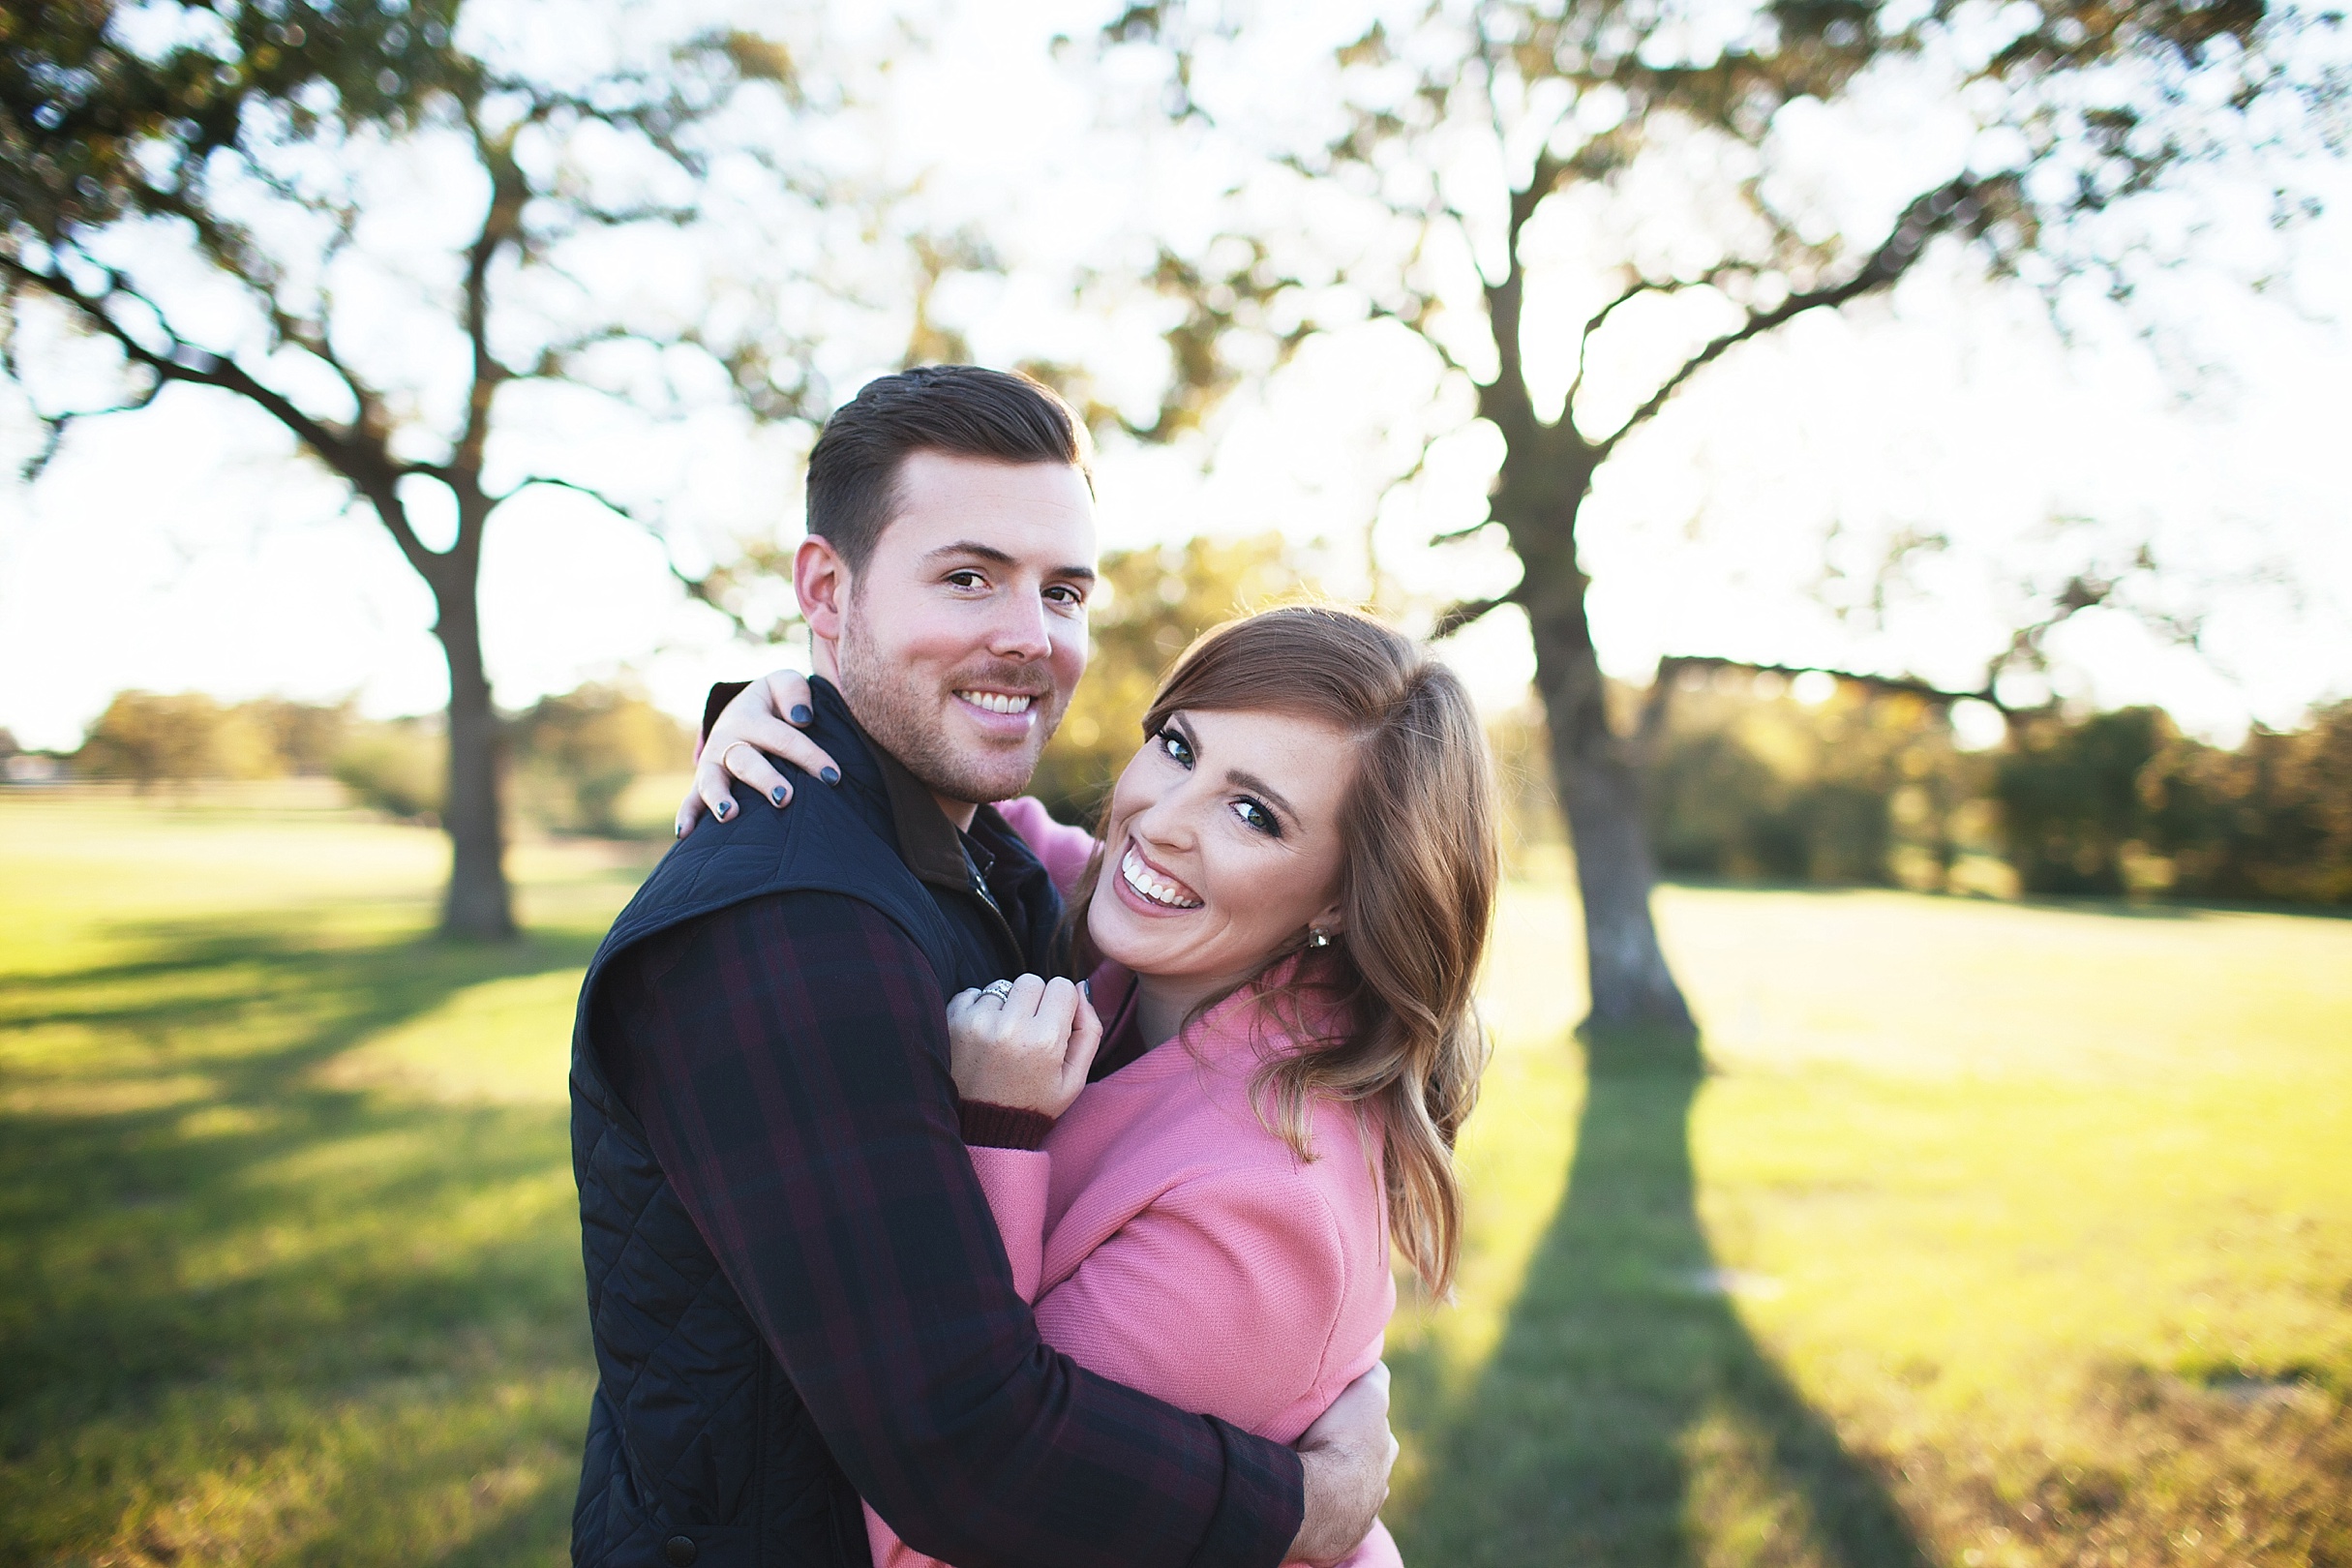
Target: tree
1456, 129
149, 739
199, 191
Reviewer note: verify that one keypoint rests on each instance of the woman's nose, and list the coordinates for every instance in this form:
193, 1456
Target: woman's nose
1171, 821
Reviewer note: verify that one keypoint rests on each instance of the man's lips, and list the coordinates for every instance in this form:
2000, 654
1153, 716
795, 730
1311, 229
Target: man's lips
998, 702
1152, 886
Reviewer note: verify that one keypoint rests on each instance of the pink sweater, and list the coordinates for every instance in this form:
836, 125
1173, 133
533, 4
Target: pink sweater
1172, 1242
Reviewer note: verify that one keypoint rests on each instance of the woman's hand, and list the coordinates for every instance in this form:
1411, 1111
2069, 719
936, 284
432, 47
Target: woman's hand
763, 718
1025, 1044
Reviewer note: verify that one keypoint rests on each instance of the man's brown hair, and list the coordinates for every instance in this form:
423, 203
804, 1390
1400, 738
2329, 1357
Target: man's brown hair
966, 410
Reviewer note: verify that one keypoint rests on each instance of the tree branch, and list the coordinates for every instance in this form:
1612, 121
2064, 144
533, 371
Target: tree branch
1676, 664
1454, 617
1958, 205
501, 226
1634, 290
355, 455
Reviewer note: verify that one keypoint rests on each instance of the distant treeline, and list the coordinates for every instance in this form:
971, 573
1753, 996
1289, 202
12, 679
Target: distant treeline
1745, 782
570, 758
1749, 783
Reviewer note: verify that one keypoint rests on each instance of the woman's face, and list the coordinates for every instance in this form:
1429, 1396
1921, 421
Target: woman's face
1222, 845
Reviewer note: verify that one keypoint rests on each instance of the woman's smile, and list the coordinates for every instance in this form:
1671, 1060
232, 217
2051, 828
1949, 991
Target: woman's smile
1157, 892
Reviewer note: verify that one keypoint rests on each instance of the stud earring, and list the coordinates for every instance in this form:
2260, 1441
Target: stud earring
1317, 937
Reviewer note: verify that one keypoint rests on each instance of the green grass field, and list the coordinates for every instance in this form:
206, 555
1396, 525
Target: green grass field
1990, 1234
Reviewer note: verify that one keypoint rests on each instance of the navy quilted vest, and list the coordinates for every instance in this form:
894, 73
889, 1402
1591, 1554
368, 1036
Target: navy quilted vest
699, 1451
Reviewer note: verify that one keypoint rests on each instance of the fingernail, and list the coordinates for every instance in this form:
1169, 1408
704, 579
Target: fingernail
677, 830
829, 774
721, 809
1086, 989
800, 713
778, 794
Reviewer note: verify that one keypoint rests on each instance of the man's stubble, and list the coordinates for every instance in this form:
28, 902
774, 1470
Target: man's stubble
895, 706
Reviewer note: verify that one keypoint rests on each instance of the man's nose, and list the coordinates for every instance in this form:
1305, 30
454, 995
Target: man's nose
1019, 630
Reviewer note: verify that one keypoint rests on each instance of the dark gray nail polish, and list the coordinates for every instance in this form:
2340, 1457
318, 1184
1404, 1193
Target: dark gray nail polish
800, 713
721, 809
779, 795
829, 774
677, 830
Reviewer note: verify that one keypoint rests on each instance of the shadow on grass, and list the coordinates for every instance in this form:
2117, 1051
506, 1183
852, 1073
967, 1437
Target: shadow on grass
1627, 1418
209, 1285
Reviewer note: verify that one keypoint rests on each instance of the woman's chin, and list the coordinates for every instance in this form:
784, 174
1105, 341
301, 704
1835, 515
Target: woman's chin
1119, 941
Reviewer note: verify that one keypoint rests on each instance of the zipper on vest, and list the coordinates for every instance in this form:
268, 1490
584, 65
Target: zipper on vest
1012, 942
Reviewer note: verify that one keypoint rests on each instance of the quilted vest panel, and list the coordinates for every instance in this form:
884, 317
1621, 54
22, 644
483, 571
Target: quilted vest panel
698, 1450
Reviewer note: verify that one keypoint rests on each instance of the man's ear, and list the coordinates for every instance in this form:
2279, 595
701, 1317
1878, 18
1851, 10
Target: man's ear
820, 578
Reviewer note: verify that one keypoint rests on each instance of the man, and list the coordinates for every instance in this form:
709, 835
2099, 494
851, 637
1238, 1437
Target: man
797, 1295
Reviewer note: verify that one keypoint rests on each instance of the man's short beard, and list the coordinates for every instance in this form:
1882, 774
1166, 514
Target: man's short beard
904, 722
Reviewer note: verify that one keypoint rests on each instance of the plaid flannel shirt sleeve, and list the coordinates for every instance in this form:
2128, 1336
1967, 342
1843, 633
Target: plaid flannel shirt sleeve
803, 1109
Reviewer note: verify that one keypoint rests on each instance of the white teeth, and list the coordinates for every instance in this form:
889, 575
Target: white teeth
997, 702
1139, 877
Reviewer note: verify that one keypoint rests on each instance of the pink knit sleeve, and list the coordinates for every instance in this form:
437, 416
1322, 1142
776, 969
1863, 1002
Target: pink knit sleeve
1015, 1181
1065, 850
1255, 1272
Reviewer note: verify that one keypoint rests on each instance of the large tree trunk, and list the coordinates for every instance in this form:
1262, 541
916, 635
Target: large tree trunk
479, 906
1600, 790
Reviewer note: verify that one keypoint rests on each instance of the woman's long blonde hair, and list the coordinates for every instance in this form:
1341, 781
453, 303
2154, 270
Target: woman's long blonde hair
1417, 887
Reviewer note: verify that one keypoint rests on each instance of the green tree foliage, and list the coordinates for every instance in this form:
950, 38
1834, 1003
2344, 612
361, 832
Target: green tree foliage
396, 766
574, 755
577, 754
2271, 819
2069, 796
2122, 802
1150, 605
1865, 787
152, 739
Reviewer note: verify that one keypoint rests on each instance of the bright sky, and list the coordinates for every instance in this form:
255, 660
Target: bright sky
179, 549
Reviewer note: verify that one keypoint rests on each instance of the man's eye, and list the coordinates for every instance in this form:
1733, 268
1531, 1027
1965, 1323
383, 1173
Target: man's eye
1177, 747
967, 580
1257, 817
1068, 596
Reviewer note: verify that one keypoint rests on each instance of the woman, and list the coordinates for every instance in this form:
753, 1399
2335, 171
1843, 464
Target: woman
1282, 924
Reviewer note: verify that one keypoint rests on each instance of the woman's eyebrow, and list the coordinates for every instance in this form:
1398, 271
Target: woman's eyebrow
1260, 787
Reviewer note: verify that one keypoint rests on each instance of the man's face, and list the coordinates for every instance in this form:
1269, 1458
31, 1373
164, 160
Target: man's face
964, 633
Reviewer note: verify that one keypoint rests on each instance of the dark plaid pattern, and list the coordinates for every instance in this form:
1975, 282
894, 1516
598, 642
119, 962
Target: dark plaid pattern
787, 1058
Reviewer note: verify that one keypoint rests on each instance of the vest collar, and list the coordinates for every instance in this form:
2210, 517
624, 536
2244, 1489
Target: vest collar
931, 844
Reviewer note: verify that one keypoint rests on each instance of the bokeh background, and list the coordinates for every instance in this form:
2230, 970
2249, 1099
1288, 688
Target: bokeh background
1876, 464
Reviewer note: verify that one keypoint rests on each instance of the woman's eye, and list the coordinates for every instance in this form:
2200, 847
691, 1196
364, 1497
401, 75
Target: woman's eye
1177, 747
1257, 817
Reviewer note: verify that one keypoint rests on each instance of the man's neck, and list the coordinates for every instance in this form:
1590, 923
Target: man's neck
958, 812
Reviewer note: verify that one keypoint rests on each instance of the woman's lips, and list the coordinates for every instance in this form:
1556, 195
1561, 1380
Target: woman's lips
1155, 891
